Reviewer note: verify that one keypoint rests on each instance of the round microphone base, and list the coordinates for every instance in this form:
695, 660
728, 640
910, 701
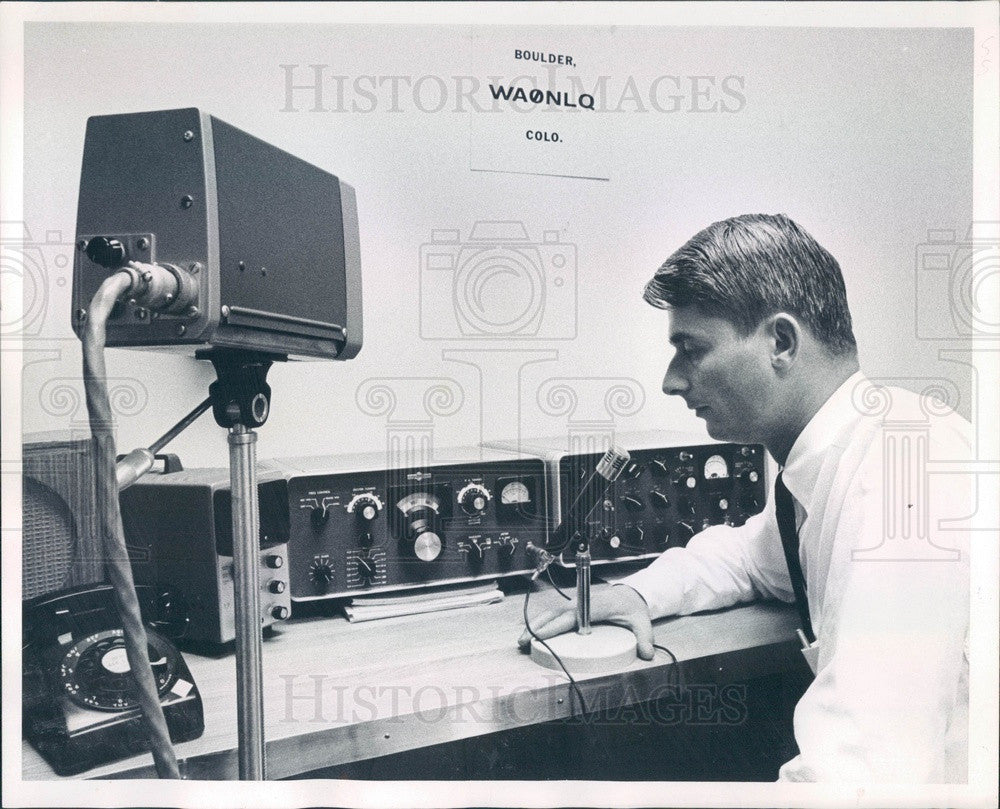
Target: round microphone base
606, 648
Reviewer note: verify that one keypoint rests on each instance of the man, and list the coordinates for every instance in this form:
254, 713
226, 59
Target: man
764, 352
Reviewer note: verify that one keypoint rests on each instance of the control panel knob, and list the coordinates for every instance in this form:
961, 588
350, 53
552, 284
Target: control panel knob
318, 517
682, 477
274, 561
632, 470
420, 513
276, 586
658, 468
473, 499
682, 533
659, 499
279, 613
633, 503
427, 546
321, 572
615, 541
365, 507
367, 569
505, 549
635, 536
750, 476
684, 507
685, 456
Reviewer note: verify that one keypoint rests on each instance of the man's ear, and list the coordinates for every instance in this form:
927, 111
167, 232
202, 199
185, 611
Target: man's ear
785, 336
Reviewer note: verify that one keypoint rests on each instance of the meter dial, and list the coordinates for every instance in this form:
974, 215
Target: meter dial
515, 492
716, 467
516, 499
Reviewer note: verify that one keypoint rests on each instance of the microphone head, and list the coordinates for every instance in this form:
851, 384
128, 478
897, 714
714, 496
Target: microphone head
612, 464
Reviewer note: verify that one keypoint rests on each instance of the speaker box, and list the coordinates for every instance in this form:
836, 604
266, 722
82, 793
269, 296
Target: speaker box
60, 547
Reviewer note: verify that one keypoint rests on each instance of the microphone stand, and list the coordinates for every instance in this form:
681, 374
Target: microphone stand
588, 649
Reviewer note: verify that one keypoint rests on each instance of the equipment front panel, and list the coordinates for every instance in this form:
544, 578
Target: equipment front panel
667, 495
353, 532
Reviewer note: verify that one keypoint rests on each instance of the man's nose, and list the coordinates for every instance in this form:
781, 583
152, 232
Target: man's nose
674, 384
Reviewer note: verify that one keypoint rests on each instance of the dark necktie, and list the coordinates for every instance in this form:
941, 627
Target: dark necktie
784, 508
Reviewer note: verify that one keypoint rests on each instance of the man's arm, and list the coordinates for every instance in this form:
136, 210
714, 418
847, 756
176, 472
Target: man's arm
721, 566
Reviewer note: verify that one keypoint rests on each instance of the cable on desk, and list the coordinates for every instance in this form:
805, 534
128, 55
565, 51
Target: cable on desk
673, 659
548, 573
573, 684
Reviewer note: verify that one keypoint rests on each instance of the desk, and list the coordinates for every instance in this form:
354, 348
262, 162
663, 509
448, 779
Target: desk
336, 692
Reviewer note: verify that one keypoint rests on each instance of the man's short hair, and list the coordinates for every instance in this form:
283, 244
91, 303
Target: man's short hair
748, 267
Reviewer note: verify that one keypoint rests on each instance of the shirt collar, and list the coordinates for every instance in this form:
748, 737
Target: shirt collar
805, 459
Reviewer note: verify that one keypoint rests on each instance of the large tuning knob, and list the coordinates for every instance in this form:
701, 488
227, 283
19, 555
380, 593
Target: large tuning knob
421, 529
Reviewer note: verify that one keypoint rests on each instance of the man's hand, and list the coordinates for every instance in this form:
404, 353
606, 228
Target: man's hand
612, 604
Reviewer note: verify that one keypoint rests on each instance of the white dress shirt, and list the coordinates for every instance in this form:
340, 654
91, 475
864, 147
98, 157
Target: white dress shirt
873, 476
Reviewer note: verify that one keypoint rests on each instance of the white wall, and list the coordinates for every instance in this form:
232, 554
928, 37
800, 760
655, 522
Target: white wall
863, 136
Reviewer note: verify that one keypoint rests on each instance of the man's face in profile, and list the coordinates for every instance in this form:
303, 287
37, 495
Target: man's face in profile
722, 375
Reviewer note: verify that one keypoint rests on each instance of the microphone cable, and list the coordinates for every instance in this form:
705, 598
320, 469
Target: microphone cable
574, 686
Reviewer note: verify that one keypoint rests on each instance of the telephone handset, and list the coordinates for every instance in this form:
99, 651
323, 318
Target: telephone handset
80, 709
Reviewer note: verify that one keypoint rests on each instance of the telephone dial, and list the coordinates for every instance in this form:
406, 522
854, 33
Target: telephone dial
80, 708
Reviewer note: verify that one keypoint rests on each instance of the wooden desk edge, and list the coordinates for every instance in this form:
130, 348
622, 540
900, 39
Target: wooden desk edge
345, 744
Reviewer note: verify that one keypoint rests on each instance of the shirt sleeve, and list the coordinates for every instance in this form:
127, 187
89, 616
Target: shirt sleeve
892, 656
720, 566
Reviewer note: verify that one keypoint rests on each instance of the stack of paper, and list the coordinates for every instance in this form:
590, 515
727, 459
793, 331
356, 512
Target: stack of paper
390, 605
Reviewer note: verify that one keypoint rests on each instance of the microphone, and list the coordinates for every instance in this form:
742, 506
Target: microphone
591, 494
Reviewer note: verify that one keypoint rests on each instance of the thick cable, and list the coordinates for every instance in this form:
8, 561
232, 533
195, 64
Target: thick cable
109, 522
